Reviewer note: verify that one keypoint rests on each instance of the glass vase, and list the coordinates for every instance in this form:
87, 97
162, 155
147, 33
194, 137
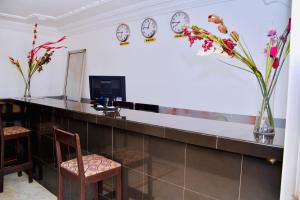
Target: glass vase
27, 90
264, 130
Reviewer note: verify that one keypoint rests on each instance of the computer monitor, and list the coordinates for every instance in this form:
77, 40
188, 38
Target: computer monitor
112, 87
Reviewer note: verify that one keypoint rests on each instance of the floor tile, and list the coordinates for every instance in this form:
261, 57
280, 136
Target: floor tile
18, 188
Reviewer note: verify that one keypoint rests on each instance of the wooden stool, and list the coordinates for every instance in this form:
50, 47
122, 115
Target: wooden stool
16, 133
89, 169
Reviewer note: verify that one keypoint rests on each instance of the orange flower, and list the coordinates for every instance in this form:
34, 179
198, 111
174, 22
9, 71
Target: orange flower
222, 28
235, 36
14, 62
215, 19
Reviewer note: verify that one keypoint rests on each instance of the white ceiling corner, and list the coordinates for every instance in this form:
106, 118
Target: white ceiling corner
50, 12
73, 16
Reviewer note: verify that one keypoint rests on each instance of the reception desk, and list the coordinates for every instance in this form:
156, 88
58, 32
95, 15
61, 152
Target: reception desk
164, 156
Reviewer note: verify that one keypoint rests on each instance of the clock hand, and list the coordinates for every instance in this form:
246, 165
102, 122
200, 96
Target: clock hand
176, 23
146, 27
120, 33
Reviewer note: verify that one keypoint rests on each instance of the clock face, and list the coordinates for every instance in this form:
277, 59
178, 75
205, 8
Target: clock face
178, 21
123, 32
149, 28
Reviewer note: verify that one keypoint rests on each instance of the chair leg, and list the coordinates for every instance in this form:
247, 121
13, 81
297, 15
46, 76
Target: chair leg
100, 187
18, 148
82, 191
19, 173
1, 182
29, 158
60, 187
30, 179
96, 191
119, 186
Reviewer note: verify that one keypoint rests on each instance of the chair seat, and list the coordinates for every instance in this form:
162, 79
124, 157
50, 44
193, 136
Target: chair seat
14, 130
93, 164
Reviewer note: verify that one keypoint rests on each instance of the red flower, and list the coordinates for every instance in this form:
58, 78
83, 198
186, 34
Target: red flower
229, 46
192, 38
207, 45
186, 32
275, 63
273, 52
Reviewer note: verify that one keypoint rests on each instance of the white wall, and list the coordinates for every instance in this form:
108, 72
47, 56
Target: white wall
169, 73
291, 163
15, 40
166, 72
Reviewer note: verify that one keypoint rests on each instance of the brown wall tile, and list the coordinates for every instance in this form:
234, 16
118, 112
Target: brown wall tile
260, 179
252, 149
145, 129
128, 149
84, 116
166, 160
132, 184
189, 195
191, 138
155, 189
213, 173
100, 139
46, 150
80, 127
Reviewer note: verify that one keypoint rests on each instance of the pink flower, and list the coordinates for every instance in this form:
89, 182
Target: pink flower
275, 63
272, 33
207, 45
273, 52
192, 38
229, 46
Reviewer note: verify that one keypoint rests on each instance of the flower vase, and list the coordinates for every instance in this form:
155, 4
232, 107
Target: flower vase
264, 131
27, 90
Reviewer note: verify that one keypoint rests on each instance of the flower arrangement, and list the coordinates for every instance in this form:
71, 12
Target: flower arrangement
36, 62
276, 52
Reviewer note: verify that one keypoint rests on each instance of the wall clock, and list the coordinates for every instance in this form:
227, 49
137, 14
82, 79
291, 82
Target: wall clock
149, 28
178, 21
123, 32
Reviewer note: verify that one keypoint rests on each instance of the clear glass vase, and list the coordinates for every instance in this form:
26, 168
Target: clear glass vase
264, 130
27, 93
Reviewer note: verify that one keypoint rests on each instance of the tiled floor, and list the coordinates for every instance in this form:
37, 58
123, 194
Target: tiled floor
18, 188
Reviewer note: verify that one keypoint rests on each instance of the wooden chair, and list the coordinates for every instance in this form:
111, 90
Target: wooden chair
16, 133
89, 169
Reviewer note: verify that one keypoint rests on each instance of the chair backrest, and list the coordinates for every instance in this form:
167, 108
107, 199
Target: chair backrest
71, 140
147, 107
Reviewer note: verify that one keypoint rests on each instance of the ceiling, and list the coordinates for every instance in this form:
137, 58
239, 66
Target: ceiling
58, 13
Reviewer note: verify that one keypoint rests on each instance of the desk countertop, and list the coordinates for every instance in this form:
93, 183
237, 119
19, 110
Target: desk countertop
221, 135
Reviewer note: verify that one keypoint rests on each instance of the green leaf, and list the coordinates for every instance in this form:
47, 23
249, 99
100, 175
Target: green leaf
236, 66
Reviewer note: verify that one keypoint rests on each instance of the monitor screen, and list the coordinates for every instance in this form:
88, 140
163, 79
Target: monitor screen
112, 87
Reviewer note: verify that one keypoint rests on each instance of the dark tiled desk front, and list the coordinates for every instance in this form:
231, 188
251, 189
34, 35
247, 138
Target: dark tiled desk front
164, 156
